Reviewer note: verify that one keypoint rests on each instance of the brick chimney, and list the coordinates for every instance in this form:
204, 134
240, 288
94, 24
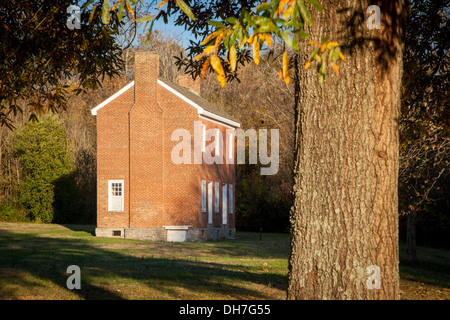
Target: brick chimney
186, 81
146, 71
145, 144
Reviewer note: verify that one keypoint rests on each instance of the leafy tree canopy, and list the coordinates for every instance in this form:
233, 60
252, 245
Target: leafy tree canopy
41, 56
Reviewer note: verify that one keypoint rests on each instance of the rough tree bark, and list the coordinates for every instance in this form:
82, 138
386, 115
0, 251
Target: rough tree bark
344, 218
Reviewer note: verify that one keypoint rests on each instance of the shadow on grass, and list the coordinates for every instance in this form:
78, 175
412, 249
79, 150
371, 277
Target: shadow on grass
431, 268
86, 228
47, 259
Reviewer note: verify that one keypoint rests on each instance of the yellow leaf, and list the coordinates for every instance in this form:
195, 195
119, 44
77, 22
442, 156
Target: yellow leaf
285, 67
322, 47
204, 68
285, 63
162, 3
331, 45
280, 74
251, 39
287, 13
307, 65
342, 56
233, 58
219, 39
256, 50
280, 8
115, 5
129, 8
313, 42
209, 37
199, 56
217, 66
208, 50
266, 37
335, 68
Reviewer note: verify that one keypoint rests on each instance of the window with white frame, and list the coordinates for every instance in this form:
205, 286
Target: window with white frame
115, 195
224, 198
203, 195
230, 198
216, 197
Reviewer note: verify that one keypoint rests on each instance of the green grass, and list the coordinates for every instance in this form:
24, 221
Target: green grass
34, 259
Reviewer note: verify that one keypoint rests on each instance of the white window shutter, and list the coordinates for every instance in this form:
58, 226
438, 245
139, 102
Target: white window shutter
224, 198
203, 195
230, 197
216, 197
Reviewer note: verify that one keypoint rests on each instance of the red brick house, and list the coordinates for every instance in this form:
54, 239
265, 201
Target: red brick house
142, 193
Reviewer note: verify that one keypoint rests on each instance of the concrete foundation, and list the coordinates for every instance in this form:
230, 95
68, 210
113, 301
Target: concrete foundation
168, 233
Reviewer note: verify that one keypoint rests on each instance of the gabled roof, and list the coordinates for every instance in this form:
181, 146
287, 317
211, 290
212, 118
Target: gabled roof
204, 108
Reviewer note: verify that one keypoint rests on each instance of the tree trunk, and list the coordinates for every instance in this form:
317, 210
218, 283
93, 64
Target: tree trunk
344, 219
411, 248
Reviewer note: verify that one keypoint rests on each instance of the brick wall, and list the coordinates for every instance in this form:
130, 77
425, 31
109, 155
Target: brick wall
134, 144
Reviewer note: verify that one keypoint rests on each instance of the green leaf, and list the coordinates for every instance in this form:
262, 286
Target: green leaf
294, 44
265, 6
301, 33
120, 12
91, 17
183, 6
287, 39
267, 27
231, 20
233, 36
304, 12
105, 12
323, 66
216, 24
315, 4
313, 54
145, 19
274, 7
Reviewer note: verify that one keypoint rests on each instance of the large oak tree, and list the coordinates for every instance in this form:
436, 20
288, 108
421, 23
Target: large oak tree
344, 219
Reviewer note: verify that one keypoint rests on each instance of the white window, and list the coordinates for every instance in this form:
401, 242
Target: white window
217, 143
224, 203
115, 195
216, 197
203, 195
203, 138
224, 198
230, 198
210, 210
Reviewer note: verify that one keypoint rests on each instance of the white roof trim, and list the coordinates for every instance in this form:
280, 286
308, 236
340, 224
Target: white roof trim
115, 95
202, 112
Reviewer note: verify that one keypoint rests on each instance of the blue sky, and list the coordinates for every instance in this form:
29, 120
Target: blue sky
177, 31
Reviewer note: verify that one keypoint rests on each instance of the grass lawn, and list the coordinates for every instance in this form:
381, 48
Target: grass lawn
34, 259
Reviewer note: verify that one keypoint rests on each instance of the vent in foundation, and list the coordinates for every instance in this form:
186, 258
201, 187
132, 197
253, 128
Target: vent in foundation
117, 233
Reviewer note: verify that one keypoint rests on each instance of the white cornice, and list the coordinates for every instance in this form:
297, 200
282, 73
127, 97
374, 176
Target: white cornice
114, 96
202, 112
